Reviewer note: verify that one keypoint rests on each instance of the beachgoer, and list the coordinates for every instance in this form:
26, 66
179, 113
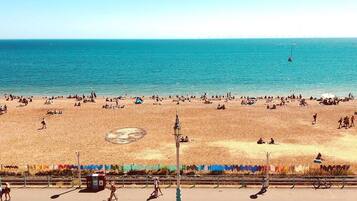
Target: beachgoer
260, 141
157, 189
264, 188
44, 125
340, 123
272, 141
314, 119
347, 122
7, 191
352, 121
1, 192
112, 192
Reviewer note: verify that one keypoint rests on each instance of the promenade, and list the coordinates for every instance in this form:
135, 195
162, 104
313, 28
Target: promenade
198, 194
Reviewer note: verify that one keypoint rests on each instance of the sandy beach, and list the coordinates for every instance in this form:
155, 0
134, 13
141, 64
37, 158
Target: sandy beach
217, 136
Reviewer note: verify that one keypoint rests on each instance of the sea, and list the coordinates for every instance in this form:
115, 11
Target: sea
244, 67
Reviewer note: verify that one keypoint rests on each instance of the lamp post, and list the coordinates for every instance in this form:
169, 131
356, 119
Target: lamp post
79, 170
177, 134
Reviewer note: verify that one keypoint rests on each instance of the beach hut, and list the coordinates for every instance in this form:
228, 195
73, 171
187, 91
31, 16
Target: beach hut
138, 100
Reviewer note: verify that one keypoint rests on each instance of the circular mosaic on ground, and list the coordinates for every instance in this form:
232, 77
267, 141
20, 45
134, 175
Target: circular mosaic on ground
125, 135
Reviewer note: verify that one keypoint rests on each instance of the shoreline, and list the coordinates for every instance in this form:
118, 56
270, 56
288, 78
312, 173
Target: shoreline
171, 95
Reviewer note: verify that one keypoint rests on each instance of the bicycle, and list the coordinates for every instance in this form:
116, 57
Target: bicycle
322, 183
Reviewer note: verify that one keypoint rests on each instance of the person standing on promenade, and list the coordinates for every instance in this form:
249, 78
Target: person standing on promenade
7, 191
1, 192
112, 192
157, 189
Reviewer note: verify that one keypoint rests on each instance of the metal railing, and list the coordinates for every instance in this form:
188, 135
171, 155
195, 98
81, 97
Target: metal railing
143, 181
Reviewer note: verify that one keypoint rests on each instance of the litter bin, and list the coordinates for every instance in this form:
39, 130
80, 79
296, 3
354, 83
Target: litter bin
96, 182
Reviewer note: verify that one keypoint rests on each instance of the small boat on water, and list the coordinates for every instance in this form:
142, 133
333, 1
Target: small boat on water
290, 59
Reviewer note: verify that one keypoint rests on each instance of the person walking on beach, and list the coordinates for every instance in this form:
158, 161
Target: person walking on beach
157, 189
347, 122
314, 119
112, 192
340, 123
43, 122
352, 121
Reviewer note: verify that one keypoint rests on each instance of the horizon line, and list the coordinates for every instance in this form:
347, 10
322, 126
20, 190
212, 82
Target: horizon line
228, 38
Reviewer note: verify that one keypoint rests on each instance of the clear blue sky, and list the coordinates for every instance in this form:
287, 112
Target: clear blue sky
177, 18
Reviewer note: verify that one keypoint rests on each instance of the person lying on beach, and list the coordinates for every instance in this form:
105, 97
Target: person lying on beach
260, 141
208, 102
51, 112
221, 107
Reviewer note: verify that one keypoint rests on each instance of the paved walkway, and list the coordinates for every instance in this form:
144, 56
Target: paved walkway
189, 195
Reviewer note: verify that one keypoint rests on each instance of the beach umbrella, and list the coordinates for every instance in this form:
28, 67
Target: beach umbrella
327, 96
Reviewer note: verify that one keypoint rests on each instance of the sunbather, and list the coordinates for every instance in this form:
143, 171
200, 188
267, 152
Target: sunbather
272, 141
260, 141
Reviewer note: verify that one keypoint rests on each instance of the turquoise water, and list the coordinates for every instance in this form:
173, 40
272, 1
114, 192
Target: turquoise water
146, 67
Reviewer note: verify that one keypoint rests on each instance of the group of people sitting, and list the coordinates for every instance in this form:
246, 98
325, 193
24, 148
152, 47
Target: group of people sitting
117, 106
329, 101
346, 122
25, 101
221, 107
248, 101
52, 112
184, 139
3, 109
89, 98
11, 97
261, 141
77, 104
226, 97
273, 107
48, 102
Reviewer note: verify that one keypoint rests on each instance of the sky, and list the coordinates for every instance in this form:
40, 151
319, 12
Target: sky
171, 19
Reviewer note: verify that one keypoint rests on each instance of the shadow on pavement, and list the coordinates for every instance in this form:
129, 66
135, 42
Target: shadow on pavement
58, 195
